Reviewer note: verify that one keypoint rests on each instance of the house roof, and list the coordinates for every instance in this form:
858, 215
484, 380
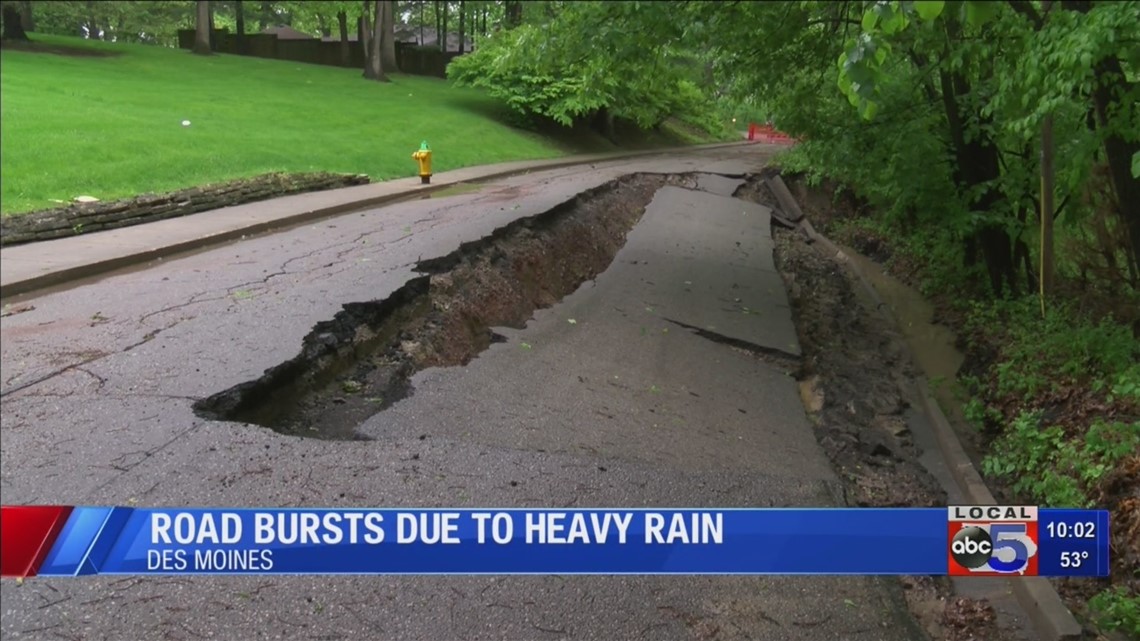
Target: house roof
412, 35
288, 33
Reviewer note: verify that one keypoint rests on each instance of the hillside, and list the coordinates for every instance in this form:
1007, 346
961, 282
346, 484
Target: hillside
105, 120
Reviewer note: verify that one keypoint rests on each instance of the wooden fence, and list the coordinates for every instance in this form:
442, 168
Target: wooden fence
412, 59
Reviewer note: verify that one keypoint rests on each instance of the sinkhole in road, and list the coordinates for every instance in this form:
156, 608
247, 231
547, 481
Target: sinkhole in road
361, 361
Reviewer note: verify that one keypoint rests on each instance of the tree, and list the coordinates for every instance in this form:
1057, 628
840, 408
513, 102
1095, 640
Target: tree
438, 23
342, 24
1062, 69
513, 13
202, 31
13, 24
592, 63
442, 35
27, 16
239, 15
373, 32
462, 25
388, 31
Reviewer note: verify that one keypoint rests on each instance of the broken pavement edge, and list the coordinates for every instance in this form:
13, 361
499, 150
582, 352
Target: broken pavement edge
1047, 612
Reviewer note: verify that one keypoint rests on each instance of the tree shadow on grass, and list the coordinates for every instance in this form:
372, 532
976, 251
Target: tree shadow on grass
581, 137
31, 46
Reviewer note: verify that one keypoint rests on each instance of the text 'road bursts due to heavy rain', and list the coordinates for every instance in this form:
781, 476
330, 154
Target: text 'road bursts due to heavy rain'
371, 527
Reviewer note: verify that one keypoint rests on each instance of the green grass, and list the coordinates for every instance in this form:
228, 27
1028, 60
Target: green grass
110, 127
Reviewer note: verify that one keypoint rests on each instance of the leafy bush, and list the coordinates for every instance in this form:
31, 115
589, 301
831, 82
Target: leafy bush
1116, 609
583, 63
1037, 353
1042, 463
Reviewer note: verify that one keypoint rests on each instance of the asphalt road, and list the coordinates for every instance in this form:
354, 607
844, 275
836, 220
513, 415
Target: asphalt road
627, 406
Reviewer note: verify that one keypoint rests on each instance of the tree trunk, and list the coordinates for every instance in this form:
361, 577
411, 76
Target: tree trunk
202, 29
213, 31
423, 3
27, 19
388, 37
365, 35
92, 23
977, 164
13, 26
374, 23
462, 25
239, 11
513, 13
438, 25
1110, 86
604, 124
1046, 209
443, 34
345, 51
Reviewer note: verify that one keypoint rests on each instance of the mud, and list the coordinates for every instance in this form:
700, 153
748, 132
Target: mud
853, 373
360, 362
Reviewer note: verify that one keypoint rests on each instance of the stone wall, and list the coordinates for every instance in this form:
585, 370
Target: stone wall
83, 218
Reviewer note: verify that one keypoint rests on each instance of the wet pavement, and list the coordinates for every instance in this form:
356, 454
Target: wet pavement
670, 388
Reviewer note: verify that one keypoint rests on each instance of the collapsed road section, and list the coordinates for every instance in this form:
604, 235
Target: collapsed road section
360, 362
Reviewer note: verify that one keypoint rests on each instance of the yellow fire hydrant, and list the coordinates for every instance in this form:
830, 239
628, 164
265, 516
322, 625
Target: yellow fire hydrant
423, 156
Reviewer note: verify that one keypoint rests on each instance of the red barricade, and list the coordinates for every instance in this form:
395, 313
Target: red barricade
768, 134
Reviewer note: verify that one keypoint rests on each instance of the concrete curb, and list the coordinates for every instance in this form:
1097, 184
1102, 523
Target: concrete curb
1047, 612
71, 274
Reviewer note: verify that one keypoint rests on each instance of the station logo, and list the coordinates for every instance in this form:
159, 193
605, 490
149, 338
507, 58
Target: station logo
992, 540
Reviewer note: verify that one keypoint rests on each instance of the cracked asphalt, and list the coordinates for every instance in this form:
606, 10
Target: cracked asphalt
670, 388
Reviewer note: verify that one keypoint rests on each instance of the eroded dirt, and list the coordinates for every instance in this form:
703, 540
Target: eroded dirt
937, 326
854, 370
360, 362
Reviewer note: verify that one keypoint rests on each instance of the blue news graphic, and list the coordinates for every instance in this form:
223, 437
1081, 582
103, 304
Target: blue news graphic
1011, 537
299, 541
1073, 543
105, 540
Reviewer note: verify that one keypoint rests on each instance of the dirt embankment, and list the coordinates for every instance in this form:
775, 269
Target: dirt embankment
830, 208
855, 383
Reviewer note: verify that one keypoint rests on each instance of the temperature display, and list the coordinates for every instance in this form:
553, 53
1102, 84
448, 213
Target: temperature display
1073, 559
1073, 542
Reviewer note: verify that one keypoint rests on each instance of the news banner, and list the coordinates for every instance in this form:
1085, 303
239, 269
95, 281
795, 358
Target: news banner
61, 541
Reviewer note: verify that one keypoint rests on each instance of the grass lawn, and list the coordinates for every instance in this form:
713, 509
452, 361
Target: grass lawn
110, 126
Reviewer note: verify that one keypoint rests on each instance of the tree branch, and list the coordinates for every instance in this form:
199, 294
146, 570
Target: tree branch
1025, 8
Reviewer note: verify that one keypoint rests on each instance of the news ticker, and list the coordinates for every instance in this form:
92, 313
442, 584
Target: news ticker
957, 541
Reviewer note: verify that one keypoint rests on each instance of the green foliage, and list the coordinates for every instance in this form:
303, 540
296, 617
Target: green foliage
1041, 462
1038, 353
1117, 609
979, 414
117, 20
622, 58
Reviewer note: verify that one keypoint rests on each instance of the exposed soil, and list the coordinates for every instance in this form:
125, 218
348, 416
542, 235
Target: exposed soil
854, 370
360, 362
829, 207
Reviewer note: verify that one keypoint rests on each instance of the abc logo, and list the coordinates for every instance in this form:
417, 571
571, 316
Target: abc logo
972, 547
